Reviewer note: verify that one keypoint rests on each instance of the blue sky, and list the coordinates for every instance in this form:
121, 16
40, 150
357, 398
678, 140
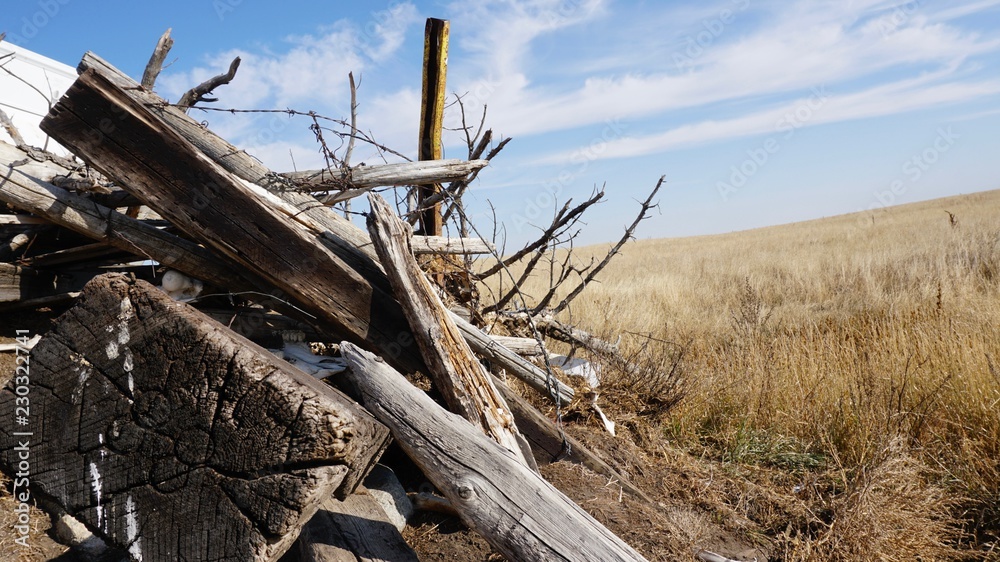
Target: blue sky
757, 112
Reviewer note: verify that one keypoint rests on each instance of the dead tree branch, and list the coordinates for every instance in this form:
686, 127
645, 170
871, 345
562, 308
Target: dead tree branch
199, 92
11, 129
628, 235
155, 64
563, 220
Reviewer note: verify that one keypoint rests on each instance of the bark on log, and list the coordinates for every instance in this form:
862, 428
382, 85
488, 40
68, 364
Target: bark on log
515, 509
342, 237
353, 530
148, 158
461, 379
174, 438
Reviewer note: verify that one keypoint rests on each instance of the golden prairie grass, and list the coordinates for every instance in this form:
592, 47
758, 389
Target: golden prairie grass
862, 351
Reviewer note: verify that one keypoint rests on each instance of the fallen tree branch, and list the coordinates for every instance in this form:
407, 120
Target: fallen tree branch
11, 129
198, 93
515, 509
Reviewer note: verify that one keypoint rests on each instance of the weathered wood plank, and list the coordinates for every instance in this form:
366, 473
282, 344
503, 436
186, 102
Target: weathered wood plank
364, 178
19, 283
148, 158
174, 438
353, 530
458, 376
446, 245
515, 509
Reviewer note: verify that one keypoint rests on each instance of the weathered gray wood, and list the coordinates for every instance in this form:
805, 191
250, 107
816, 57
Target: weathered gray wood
446, 245
148, 158
353, 530
22, 188
22, 283
350, 243
515, 509
173, 437
521, 346
21, 219
458, 376
361, 179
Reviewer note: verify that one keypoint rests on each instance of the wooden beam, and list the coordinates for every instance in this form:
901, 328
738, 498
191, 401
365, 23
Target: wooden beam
148, 158
174, 438
515, 509
458, 376
433, 93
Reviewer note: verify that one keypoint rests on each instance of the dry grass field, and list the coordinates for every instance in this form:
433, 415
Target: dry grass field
839, 379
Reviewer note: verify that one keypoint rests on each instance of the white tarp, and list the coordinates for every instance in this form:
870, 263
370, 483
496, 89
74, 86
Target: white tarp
29, 84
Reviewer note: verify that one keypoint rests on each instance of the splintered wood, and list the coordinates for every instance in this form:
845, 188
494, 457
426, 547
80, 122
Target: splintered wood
177, 439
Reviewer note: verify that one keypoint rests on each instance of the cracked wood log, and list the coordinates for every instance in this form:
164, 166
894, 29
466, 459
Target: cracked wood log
103, 125
173, 437
350, 243
515, 509
353, 530
458, 376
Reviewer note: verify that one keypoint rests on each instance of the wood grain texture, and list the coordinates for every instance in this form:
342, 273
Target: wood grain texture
353, 530
457, 374
149, 159
176, 439
515, 509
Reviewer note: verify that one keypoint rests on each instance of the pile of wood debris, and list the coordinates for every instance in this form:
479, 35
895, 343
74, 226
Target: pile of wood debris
152, 417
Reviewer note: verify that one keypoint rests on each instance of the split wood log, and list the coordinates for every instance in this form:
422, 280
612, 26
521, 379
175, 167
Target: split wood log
515, 509
148, 158
350, 243
353, 530
174, 438
458, 376
445, 245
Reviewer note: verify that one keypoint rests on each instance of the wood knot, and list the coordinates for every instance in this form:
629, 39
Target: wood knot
466, 492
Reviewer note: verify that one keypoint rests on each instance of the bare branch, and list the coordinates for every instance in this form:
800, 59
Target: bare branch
11, 129
155, 64
562, 220
628, 235
198, 93
354, 122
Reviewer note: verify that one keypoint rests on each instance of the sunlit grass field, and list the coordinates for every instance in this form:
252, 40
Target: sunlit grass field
860, 354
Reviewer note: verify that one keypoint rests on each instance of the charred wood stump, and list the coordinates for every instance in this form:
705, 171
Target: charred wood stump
176, 439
